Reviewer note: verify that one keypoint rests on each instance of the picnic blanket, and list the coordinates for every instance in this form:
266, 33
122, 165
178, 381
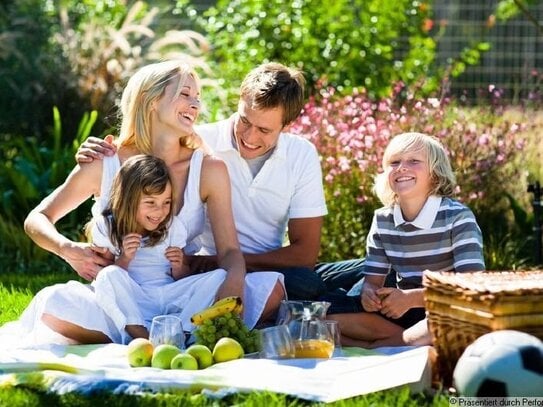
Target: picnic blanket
90, 368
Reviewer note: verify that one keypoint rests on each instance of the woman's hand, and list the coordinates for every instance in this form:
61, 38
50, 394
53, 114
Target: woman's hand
87, 260
234, 284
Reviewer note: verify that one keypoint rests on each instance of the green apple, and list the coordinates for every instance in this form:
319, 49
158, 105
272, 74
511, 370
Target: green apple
184, 361
140, 352
227, 349
202, 354
163, 355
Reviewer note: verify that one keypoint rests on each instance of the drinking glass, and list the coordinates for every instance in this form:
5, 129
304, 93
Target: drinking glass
314, 340
167, 329
276, 343
333, 327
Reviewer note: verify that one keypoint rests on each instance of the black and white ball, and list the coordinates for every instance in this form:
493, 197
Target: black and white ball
501, 364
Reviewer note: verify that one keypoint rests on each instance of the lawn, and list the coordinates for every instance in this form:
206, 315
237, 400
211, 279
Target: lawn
16, 291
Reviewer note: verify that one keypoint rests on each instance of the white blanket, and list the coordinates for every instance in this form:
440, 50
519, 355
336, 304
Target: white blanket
85, 368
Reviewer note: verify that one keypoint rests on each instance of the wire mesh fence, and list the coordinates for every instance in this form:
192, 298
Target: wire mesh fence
514, 62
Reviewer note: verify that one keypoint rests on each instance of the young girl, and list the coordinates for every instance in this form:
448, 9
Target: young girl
145, 243
419, 228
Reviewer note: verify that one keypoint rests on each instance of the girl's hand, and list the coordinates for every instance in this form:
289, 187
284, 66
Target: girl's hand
131, 244
395, 302
176, 257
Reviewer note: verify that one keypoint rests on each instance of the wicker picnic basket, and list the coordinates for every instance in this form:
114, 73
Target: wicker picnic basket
463, 306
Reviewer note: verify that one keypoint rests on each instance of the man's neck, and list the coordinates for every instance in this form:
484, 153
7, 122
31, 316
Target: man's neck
255, 164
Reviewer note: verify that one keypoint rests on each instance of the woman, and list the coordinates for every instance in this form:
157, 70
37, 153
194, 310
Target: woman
159, 106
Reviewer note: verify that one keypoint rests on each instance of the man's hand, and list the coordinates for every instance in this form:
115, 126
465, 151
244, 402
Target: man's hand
200, 264
95, 148
87, 260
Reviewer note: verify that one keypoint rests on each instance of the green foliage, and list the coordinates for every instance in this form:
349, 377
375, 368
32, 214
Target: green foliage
348, 221
76, 55
508, 9
29, 68
30, 170
367, 43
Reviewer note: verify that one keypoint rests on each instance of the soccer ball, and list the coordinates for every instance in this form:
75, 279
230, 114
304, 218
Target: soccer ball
501, 364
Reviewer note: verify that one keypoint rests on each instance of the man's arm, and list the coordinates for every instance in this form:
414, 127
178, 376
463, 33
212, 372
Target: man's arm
302, 251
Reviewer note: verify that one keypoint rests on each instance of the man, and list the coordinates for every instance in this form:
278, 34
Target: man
276, 186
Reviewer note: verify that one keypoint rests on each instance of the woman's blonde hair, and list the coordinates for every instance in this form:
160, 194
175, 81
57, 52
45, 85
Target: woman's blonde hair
145, 87
139, 175
439, 165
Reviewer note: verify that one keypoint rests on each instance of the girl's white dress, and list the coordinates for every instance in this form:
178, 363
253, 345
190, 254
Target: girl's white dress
118, 297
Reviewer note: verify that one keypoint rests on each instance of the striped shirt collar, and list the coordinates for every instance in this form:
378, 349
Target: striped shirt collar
426, 216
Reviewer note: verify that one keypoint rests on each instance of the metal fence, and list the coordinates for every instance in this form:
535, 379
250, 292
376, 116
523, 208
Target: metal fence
515, 61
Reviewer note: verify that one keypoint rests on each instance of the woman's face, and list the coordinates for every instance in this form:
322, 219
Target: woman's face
409, 175
179, 112
153, 209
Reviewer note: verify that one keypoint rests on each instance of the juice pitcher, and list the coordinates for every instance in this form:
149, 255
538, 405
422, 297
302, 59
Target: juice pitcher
305, 320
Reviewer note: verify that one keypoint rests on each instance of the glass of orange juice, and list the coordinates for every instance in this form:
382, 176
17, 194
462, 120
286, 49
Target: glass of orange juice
313, 348
314, 341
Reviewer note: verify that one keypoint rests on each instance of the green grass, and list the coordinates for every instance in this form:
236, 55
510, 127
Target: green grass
16, 291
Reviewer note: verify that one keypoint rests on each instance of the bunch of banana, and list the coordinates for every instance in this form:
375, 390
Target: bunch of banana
231, 304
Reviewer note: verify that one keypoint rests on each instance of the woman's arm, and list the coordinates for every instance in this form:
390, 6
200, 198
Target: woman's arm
215, 191
83, 182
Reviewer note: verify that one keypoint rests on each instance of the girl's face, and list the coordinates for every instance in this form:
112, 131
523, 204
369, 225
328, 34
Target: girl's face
179, 112
409, 175
153, 209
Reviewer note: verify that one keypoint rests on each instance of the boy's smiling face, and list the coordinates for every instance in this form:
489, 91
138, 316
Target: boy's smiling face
409, 174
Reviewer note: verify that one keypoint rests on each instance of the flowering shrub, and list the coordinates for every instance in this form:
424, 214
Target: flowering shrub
352, 132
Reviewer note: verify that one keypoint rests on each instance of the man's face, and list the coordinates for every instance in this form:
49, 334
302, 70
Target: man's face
257, 131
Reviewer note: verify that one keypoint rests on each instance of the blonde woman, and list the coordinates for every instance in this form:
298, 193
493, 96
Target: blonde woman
159, 107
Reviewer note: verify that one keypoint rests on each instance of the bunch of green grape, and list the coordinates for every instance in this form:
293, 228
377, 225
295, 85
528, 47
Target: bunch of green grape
228, 325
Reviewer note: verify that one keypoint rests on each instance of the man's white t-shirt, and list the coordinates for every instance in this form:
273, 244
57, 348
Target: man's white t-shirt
288, 186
